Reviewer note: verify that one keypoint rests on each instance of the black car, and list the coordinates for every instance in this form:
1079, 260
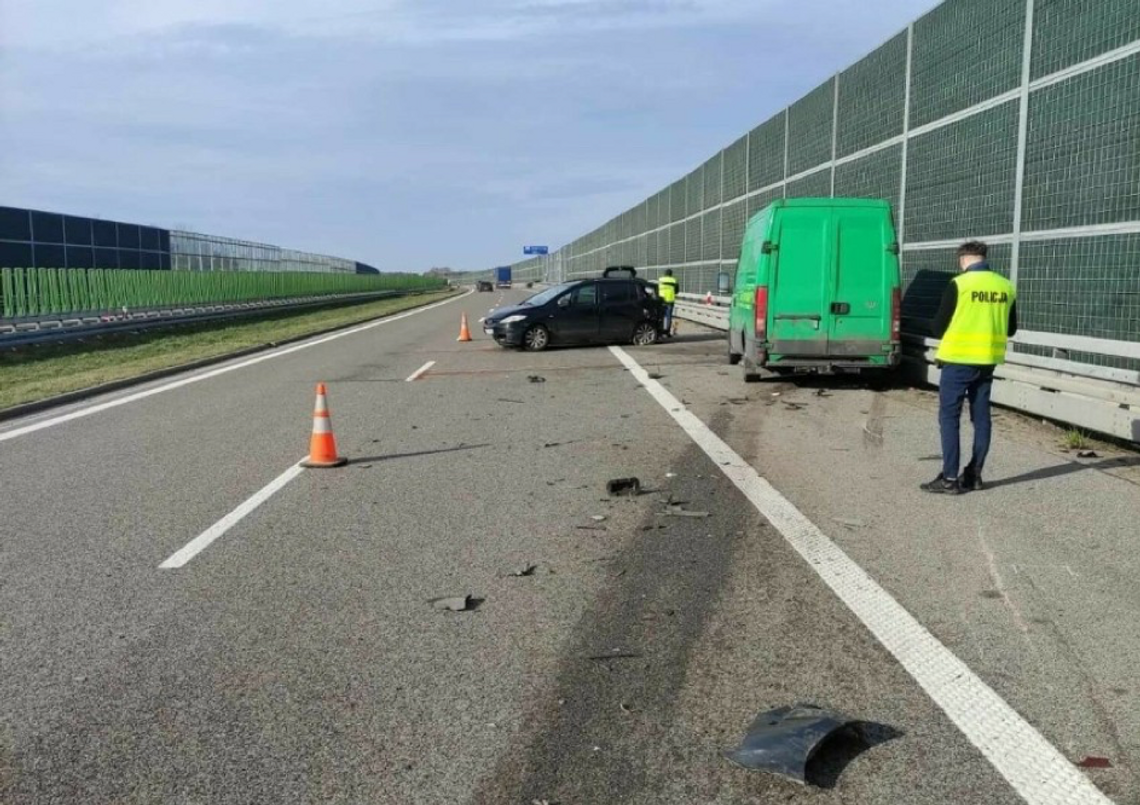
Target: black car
484, 285
598, 311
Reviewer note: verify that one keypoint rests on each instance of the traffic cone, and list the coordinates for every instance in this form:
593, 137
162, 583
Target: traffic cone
464, 333
322, 445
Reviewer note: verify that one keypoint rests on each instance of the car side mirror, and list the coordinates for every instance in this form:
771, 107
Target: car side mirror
767, 247
564, 301
723, 283
893, 248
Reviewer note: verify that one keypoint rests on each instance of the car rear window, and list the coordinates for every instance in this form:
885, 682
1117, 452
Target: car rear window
617, 292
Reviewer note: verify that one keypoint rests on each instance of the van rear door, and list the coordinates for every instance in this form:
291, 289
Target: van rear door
800, 282
866, 273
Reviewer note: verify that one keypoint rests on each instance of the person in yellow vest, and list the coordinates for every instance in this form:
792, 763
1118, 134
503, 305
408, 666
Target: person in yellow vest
667, 288
977, 315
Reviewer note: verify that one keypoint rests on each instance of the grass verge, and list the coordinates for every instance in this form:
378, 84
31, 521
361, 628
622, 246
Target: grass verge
32, 373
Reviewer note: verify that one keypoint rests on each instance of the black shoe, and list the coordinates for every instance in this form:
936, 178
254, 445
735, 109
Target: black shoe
940, 486
971, 481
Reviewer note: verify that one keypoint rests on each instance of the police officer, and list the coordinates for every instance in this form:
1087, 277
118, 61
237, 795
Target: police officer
977, 315
667, 287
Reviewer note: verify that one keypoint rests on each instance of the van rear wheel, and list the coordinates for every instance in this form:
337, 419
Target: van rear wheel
733, 357
749, 372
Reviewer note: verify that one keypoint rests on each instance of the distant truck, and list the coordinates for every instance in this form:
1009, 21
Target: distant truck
503, 277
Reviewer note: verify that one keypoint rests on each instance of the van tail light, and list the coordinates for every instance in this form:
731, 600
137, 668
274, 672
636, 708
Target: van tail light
896, 314
761, 312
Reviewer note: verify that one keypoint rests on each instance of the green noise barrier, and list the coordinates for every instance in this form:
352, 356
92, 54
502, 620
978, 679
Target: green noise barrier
31, 292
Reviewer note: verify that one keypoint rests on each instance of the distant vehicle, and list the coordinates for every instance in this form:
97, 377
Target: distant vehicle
503, 276
597, 311
816, 289
484, 285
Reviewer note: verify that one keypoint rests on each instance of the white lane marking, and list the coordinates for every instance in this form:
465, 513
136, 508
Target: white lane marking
416, 375
1037, 771
203, 540
141, 395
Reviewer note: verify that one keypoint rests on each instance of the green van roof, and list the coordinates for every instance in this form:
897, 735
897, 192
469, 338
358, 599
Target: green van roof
831, 202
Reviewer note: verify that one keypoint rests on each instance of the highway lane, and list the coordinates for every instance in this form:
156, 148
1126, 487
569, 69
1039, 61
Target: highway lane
296, 658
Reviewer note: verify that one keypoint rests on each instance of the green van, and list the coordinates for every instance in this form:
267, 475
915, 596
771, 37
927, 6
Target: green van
816, 289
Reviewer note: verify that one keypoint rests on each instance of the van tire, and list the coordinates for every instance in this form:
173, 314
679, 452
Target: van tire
749, 371
733, 357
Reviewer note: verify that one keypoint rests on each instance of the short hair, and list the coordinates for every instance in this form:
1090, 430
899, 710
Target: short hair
973, 248
668, 272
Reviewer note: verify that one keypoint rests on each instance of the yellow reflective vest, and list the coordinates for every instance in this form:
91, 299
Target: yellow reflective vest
668, 289
979, 330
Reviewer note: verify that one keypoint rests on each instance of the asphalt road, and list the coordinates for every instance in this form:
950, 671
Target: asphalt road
296, 659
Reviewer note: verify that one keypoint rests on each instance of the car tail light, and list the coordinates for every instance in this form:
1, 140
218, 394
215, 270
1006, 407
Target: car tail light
896, 314
761, 312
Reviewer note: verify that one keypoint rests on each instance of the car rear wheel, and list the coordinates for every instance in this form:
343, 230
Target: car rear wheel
644, 334
536, 339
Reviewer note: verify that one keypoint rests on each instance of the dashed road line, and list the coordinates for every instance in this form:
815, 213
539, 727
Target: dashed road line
416, 375
1035, 769
233, 367
203, 540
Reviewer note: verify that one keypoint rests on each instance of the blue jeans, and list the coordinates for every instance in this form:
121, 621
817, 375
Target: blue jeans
959, 383
668, 320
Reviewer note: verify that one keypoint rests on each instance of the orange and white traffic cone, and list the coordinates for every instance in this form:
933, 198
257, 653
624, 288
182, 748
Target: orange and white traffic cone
464, 333
322, 445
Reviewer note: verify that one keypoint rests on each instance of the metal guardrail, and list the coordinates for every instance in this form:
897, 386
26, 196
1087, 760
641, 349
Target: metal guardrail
76, 326
1101, 405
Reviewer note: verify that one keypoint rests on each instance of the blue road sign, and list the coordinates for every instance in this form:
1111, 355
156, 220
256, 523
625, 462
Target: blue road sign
536, 250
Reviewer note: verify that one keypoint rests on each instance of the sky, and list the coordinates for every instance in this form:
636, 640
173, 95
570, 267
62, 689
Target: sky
402, 133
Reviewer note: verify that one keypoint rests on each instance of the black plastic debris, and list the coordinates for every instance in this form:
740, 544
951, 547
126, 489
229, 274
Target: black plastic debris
456, 603
782, 741
656, 376
525, 570
623, 486
1088, 454
536, 378
674, 510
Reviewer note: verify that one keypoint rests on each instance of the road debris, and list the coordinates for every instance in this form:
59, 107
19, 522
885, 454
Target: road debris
782, 741
656, 376
822, 393
590, 527
794, 406
676, 510
1094, 762
615, 654
525, 570
670, 475
849, 523
618, 487
505, 399
1088, 454
456, 603
597, 518
536, 378
625, 708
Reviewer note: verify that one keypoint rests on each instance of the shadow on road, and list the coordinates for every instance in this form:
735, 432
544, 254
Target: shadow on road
392, 456
1063, 469
838, 752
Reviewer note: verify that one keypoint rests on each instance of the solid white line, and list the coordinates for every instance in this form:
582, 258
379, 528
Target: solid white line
200, 542
416, 375
1037, 771
142, 395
